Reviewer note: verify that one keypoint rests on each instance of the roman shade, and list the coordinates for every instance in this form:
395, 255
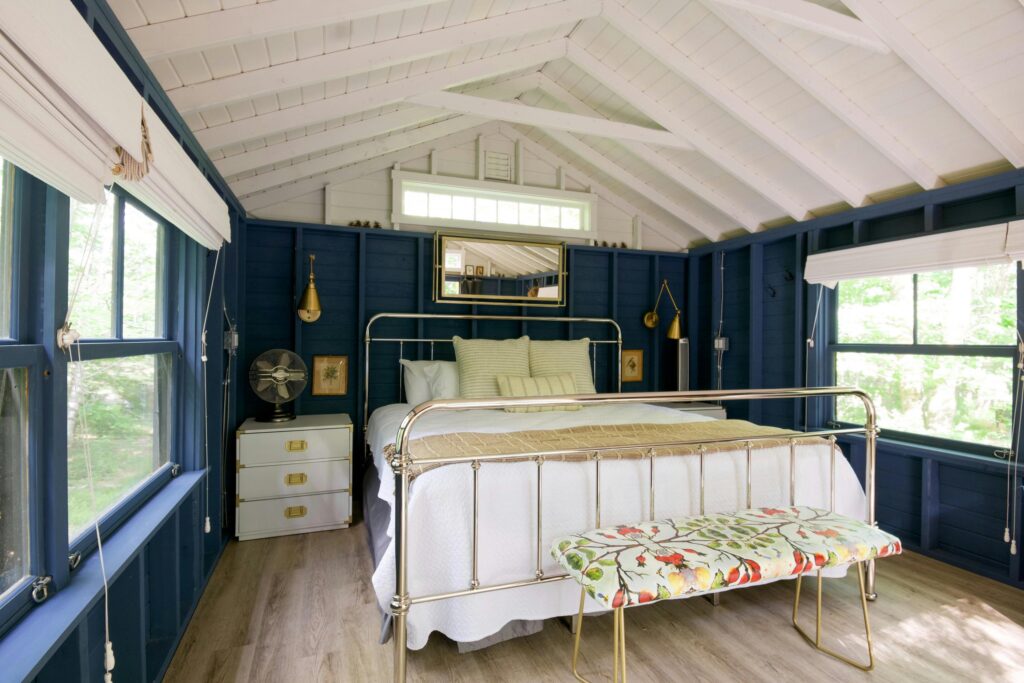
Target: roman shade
65, 106
999, 243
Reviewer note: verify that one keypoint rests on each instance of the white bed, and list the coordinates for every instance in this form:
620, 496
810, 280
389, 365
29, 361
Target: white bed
440, 510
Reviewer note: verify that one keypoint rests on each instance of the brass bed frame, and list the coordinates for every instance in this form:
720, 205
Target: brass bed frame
402, 461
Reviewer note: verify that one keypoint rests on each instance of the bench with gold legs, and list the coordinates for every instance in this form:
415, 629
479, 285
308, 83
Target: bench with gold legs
625, 566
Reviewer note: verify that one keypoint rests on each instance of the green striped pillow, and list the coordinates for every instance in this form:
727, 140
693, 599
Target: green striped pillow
549, 358
480, 361
517, 386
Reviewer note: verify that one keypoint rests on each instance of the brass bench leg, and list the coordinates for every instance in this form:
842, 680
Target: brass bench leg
618, 643
816, 641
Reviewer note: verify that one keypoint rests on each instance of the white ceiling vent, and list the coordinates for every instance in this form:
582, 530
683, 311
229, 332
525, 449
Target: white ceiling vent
497, 166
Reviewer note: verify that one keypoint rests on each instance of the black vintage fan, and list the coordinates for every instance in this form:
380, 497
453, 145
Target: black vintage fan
278, 376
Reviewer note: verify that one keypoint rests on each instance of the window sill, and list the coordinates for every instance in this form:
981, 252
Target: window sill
973, 461
30, 642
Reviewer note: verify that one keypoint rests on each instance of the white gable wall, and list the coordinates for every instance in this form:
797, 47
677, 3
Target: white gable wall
368, 198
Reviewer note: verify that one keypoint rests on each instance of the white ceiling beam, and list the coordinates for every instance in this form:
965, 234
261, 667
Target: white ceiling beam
237, 24
351, 155
365, 58
605, 165
683, 66
652, 157
827, 94
361, 168
359, 130
340, 106
661, 115
919, 58
548, 119
814, 18
545, 154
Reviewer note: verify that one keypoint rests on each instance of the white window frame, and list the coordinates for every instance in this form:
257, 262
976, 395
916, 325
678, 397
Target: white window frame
586, 202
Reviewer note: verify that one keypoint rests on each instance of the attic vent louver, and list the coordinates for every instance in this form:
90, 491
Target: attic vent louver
497, 166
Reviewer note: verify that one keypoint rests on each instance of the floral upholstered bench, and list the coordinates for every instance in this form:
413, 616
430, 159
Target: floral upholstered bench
624, 566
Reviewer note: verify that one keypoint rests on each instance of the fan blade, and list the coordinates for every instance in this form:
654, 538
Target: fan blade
285, 357
263, 364
282, 391
263, 384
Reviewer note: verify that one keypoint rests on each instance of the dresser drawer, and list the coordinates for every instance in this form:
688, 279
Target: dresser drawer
293, 479
264, 448
284, 515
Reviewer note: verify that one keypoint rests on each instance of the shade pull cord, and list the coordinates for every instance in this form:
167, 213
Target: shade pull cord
720, 352
810, 345
206, 409
65, 336
1010, 528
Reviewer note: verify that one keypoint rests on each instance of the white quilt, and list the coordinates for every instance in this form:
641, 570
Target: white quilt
441, 510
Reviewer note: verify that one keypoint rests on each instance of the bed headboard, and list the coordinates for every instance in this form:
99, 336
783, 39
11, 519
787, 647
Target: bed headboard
614, 337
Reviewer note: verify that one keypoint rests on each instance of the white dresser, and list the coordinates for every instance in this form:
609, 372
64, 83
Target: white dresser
293, 477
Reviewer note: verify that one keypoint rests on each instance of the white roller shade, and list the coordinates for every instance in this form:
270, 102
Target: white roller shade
65, 105
956, 249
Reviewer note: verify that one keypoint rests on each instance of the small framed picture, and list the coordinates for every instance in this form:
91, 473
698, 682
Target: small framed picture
469, 269
633, 365
330, 375
479, 271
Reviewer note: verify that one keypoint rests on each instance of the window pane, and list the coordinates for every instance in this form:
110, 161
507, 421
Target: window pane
142, 306
876, 310
414, 203
93, 312
462, 208
119, 408
968, 305
570, 218
952, 397
14, 529
486, 210
529, 214
550, 216
453, 260
6, 245
508, 212
440, 205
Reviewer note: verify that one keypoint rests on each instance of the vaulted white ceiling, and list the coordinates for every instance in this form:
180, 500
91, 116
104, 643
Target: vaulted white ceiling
716, 116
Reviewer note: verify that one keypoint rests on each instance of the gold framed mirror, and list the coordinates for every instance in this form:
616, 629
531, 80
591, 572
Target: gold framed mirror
496, 270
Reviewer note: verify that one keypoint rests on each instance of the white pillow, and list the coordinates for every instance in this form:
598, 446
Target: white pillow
426, 380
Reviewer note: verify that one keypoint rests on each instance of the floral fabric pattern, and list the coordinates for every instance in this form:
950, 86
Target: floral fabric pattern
631, 565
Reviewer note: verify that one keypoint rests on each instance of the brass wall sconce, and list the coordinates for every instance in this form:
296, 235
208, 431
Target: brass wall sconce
309, 305
651, 317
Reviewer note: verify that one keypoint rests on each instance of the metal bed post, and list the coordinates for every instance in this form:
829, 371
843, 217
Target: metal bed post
870, 455
400, 603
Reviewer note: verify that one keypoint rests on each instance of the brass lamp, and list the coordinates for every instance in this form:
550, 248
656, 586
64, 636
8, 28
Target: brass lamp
309, 305
651, 318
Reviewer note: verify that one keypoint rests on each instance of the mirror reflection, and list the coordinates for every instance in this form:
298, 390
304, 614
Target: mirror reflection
498, 270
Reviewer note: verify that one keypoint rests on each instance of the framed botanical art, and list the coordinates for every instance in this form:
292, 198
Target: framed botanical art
633, 365
479, 271
330, 375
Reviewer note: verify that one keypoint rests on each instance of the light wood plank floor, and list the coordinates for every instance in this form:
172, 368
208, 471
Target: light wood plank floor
301, 608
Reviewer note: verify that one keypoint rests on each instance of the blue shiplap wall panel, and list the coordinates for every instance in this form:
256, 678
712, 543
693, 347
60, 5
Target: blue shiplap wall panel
777, 291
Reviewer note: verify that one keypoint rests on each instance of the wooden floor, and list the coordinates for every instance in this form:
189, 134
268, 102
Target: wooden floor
301, 608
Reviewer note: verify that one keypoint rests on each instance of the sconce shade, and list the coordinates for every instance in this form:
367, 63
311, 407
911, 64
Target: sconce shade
675, 328
309, 305
651, 319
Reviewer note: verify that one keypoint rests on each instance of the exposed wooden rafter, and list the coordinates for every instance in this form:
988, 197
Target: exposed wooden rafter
235, 24
815, 18
366, 58
340, 106
548, 119
940, 78
827, 94
665, 118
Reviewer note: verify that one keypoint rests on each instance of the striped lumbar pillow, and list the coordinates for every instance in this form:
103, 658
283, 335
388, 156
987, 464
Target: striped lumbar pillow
549, 358
480, 361
517, 386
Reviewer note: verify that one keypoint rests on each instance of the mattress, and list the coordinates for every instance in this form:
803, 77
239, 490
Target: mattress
441, 508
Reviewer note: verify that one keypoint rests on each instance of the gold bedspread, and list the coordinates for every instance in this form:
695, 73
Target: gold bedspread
623, 439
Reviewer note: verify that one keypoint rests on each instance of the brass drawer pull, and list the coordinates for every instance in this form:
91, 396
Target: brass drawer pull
295, 511
296, 478
296, 445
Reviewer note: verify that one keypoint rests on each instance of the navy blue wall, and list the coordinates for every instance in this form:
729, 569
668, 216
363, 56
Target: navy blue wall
945, 504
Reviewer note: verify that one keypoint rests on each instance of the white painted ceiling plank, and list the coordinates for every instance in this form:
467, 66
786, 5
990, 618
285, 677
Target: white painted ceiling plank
689, 70
370, 165
928, 67
815, 18
369, 98
706, 192
296, 73
548, 119
829, 95
358, 130
189, 34
665, 118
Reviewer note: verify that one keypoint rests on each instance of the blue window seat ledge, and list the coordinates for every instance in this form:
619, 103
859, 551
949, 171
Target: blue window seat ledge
28, 647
